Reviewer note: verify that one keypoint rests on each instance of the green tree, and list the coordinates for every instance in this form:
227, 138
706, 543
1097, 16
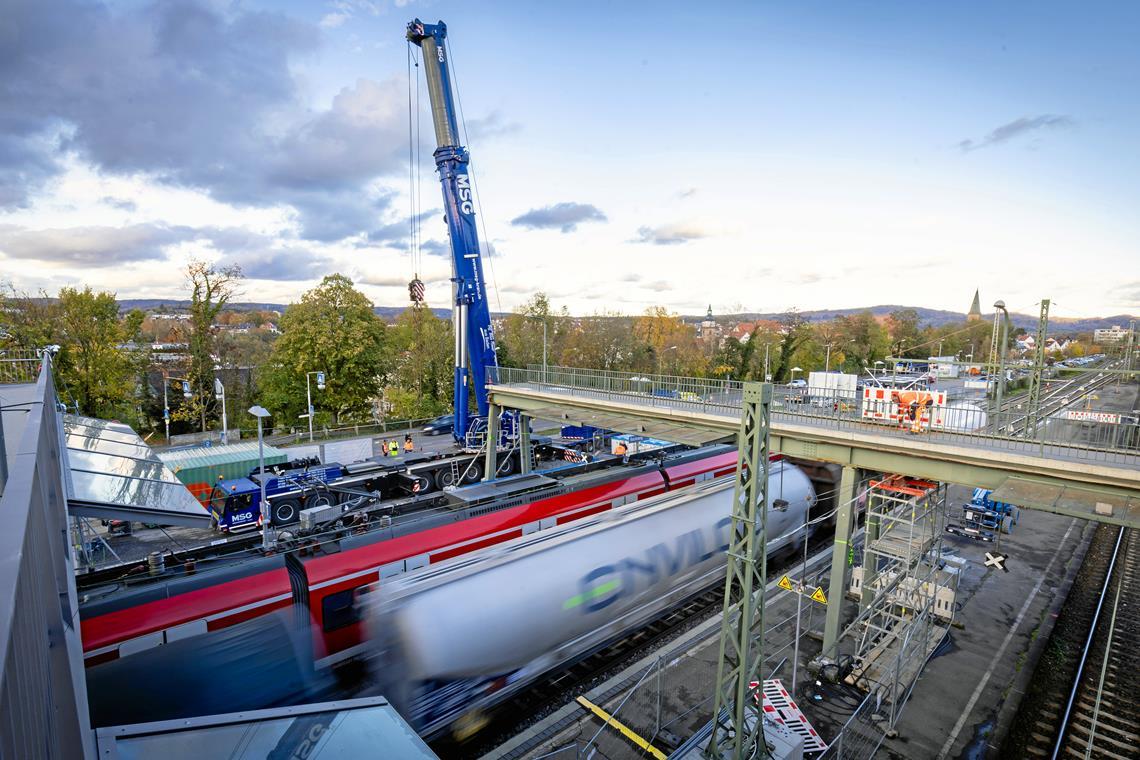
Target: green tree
904, 333
92, 363
868, 341
211, 288
521, 334
334, 330
95, 368
420, 380
25, 321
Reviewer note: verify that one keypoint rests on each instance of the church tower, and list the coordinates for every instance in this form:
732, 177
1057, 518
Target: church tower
975, 312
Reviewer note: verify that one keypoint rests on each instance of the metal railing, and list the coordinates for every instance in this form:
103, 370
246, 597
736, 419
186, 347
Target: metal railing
20, 365
1056, 434
43, 700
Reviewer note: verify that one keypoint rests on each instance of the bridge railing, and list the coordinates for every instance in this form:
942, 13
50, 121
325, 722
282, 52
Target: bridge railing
1053, 431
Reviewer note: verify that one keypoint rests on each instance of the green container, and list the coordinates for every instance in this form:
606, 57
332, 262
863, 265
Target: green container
200, 467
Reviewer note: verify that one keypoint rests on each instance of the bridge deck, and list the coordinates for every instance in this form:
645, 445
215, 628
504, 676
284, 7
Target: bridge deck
1090, 470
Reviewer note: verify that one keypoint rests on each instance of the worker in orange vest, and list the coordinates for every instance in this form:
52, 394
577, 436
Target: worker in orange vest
409, 446
621, 450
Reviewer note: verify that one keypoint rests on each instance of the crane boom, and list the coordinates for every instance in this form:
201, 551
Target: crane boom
471, 315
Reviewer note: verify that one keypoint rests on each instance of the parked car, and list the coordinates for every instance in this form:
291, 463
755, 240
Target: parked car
798, 383
440, 425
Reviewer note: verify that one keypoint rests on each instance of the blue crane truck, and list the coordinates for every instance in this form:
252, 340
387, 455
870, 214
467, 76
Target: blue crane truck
235, 503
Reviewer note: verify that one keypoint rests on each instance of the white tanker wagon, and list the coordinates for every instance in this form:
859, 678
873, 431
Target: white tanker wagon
467, 634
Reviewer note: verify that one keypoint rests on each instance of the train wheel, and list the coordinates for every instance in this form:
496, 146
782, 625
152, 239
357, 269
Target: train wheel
444, 478
473, 472
286, 511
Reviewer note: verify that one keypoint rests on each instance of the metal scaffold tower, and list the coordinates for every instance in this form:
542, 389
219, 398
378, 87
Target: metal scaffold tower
738, 728
906, 596
1032, 420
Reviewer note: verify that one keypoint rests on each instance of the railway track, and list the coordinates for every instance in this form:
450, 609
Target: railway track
1102, 717
1082, 703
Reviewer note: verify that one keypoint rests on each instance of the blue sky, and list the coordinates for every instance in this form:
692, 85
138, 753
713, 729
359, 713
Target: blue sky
754, 155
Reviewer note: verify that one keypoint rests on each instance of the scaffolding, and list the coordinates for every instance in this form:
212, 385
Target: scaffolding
906, 595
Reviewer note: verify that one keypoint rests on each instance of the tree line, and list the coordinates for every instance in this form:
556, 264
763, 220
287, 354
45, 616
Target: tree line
373, 371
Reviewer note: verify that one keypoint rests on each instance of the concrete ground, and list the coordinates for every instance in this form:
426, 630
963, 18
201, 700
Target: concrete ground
959, 704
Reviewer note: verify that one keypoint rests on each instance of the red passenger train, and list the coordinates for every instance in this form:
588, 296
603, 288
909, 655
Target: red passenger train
162, 612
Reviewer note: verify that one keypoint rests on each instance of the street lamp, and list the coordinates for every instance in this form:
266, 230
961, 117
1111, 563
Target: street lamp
309, 396
767, 374
260, 413
543, 318
1001, 354
659, 355
827, 360
220, 393
166, 398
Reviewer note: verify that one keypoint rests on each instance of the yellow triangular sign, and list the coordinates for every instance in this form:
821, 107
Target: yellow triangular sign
785, 583
818, 596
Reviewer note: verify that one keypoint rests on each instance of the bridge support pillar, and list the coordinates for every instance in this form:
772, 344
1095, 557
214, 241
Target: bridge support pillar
492, 464
524, 444
841, 554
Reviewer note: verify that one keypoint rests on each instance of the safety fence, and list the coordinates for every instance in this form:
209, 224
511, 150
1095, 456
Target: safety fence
861, 735
20, 365
1054, 429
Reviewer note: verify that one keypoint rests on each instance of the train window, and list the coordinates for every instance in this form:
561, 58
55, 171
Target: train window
339, 610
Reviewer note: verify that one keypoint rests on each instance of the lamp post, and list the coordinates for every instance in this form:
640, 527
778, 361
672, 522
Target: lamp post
767, 374
543, 318
827, 359
1001, 355
166, 398
260, 413
220, 393
309, 396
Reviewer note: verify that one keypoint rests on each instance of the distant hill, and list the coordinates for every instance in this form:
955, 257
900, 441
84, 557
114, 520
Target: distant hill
938, 317
934, 317
388, 313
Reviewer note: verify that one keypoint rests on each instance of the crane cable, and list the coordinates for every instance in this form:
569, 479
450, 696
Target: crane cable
415, 253
474, 182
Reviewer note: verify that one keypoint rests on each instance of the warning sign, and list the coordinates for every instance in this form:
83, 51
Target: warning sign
818, 596
786, 584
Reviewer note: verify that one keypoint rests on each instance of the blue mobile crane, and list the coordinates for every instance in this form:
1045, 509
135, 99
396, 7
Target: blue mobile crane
471, 316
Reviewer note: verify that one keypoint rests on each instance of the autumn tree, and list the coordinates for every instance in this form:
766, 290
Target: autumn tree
211, 288
671, 344
602, 341
334, 330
